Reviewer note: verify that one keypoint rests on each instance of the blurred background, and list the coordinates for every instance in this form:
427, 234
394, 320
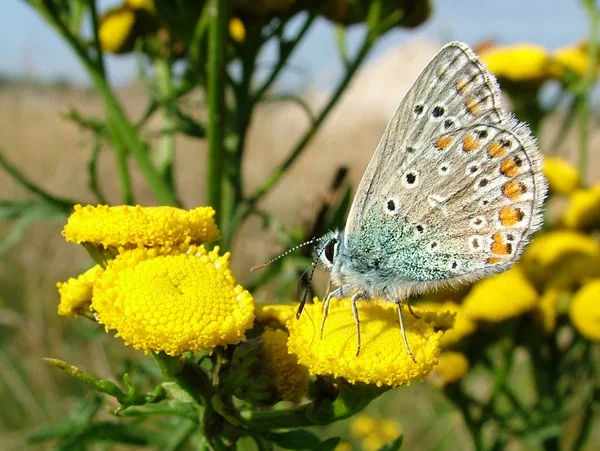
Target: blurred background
41, 80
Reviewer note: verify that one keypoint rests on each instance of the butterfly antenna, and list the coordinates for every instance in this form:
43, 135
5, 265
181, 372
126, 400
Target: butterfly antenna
264, 265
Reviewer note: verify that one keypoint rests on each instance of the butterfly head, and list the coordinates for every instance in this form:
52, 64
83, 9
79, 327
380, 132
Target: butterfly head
329, 248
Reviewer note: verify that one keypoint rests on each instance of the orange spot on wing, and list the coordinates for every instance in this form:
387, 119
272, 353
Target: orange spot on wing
513, 190
496, 150
509, 167
470, 143
493, 260
510, 216
461, 85
443, 143
472, 106
499, 246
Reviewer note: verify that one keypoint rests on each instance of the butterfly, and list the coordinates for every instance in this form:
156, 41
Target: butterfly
452, 193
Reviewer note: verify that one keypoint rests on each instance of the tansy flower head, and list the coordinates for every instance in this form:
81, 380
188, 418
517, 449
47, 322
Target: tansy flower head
451, 367
116, 31
129, 227
562, 176
500, 297
517, 63
237, 31
76, 293
383, 359
463, 325
263, 372
573, 59
274, 315
561, 258
585, 310
583, 209
177, 300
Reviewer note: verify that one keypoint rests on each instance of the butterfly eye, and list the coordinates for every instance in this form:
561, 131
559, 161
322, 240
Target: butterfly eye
329, 250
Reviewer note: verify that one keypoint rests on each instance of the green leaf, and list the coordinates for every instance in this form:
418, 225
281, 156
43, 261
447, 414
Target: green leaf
175, 391
330, 444
112, 432
298, 440
26, 213
393, 446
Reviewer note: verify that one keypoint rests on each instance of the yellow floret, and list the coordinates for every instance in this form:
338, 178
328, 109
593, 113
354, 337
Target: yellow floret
383, 359
289, 378
563, 177
116, 29
521, 62
585, 310
274, 315
237, 30
572, 58
501, 297
583, 209
165, 300
451, 368
463, 325
76, 293
130, 227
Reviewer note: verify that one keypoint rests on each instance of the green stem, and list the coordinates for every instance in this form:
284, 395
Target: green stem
122, 168
164, 158
32, 187
216, 105
274, 178
93, 172
264, 420
588, 83
98, 48
116, 118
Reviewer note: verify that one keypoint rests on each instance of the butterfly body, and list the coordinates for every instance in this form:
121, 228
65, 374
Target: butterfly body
452, 193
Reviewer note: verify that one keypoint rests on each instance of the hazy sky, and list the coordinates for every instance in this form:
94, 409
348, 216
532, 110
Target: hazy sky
29, 47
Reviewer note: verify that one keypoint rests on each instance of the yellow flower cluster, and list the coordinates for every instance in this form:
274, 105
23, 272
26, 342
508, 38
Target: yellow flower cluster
76, 293
562, 176
130, 227
374, 433
451, 368
159, 292
173, 301
383, 359
289, 378
533, 63
585, 310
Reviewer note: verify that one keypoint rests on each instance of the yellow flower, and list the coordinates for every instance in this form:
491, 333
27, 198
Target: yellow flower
289, 378
76, 293
130, 227
237, 31
383, 359
518, 63
173, 300
451, 368
561, 258
500, 297
374, 432
585, 310
547, 309
344, 446
148, 5
463, 325
583, 208
274, 315
572, 58
562, 176
552, 247
116, 30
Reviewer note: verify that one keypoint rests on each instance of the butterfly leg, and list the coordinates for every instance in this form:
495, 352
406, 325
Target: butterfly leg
340, 293
355, 298
401, 319
411, 310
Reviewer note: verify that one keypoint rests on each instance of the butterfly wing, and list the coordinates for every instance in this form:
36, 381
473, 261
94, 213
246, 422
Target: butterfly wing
454, 188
